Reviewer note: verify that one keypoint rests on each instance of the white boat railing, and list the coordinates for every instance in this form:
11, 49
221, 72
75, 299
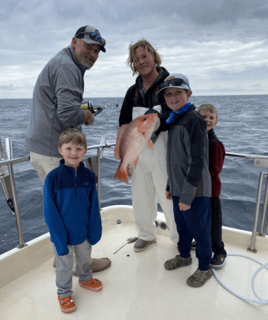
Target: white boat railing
9, 185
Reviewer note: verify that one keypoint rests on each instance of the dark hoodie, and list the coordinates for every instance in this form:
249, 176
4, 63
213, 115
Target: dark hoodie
135, 96
216, 159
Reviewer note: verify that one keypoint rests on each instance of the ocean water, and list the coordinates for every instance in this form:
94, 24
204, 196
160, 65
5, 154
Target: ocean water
242, 128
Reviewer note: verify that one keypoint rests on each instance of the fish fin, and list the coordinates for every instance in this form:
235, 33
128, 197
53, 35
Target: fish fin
121, 175
118, 141
134, 163
150, 144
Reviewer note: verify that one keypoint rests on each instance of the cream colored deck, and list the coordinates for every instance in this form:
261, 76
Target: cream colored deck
136, 286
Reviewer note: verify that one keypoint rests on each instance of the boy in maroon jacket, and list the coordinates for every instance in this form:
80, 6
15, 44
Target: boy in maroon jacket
216, 159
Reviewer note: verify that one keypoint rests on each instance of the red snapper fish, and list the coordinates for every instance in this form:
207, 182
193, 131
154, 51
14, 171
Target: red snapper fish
131, 139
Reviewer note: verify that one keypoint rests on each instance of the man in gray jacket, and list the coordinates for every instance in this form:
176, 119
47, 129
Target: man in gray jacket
57, 99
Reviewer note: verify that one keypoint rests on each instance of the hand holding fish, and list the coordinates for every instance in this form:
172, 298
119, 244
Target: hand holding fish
131, 139
129, 171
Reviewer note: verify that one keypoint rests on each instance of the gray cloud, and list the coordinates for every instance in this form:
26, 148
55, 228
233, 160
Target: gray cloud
218, 41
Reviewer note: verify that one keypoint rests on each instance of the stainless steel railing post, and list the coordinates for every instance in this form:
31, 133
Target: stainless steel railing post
14, 191
251, 247
264, 207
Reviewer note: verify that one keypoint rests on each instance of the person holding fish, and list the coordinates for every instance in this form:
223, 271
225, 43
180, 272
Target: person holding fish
139, 143
189, 181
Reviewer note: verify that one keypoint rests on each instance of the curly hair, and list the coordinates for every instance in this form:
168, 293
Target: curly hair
146, 45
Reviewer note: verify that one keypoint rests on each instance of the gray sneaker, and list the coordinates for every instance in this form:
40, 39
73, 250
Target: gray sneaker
199, 278
142, 245
177, 262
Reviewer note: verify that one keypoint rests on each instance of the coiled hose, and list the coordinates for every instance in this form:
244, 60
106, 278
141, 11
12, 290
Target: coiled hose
263, 265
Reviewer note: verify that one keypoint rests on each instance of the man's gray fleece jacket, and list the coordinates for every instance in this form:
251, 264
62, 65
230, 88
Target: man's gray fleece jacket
187, 157
57, 99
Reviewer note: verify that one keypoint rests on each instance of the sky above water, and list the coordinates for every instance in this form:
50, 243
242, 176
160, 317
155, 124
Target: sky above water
220, 45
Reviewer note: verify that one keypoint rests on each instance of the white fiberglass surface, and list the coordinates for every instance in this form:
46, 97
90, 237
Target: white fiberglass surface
137, 286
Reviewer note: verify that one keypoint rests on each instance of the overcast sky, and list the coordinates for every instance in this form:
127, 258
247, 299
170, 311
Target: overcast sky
220, 45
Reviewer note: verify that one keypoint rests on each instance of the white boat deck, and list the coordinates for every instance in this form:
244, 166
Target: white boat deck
136, 286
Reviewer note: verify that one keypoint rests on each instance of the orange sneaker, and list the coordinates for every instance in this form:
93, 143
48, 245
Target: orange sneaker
92, 284
67, 304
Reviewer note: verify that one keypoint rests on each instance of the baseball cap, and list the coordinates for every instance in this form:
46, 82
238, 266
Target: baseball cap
91, 35
175, 80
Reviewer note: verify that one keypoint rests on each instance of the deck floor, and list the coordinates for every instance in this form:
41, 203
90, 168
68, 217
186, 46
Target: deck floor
137, 287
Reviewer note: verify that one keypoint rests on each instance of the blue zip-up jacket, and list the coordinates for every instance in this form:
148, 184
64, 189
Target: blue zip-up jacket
71, 207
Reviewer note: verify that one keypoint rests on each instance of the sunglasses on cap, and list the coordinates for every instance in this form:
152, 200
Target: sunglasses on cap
173, 82
93, 36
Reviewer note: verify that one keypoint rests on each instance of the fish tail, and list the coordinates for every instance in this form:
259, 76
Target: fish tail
121, 175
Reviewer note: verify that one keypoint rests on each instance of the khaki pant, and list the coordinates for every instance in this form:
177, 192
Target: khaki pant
43, 164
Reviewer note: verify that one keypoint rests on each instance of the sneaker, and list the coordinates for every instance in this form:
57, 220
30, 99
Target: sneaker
142, 245
217, 261
92, 284
100, 264
199, 278
193, 245
177, 262
67, 304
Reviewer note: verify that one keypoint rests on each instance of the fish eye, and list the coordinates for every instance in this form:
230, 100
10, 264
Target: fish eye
144, 119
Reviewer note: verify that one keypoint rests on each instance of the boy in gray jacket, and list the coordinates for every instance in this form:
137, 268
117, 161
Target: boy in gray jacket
189, 182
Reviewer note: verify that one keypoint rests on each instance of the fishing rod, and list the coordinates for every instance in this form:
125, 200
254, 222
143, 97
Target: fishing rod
96, 110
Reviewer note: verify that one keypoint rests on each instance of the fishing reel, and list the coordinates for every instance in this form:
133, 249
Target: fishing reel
92, 109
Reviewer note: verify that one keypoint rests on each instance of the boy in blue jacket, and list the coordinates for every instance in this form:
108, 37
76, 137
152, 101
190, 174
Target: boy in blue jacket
73, 217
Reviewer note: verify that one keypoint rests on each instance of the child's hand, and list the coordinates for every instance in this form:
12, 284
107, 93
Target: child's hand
183, 207
168, 195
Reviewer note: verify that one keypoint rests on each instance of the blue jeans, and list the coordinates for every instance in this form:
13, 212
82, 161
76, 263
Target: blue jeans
64, 267
195, 223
